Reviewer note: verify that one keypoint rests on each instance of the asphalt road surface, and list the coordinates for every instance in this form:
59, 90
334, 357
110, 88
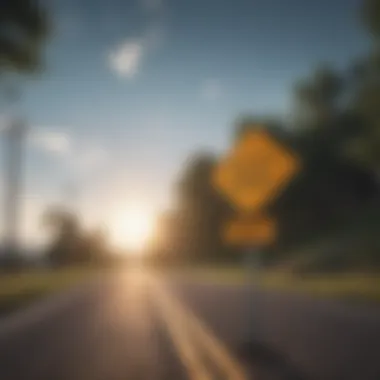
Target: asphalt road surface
139, 326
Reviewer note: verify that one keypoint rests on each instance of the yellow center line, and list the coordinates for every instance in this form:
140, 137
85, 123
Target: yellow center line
198, 331
181, 337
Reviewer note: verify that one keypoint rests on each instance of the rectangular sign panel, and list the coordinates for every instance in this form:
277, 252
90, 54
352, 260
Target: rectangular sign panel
250, 231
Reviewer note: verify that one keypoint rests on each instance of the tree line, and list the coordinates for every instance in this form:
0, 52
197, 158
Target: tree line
331, 204
71, 243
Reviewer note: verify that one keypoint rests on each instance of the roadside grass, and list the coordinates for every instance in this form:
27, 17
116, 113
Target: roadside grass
360, 287
348, 286
17, 290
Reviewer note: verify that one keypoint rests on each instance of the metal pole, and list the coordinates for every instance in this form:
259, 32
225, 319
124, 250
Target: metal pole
15, 137
252, 258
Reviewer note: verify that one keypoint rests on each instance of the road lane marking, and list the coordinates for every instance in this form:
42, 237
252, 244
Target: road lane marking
199, 333
42, 309
179, 333
211, 344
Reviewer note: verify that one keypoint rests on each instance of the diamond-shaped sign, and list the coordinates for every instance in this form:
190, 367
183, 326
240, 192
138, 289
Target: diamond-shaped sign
256, 170
250, 230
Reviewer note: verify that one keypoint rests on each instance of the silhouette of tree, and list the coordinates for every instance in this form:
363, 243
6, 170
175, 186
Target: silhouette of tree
200, 212
317, 98
23, 28
370, 14
71, 243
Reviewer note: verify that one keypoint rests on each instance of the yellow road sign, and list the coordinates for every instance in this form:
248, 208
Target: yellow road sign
256, 170
248, 231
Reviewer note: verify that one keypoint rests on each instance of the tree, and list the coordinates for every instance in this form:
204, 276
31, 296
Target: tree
66, 236
364, 98
167, 244
23, 28
71, 243
338, 114
317, 98
95, 247
200, 211
370, 15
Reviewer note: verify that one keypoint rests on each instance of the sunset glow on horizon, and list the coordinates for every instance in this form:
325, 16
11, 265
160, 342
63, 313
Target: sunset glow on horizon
133, 228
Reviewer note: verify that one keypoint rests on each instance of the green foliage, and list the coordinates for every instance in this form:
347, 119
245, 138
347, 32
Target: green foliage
317, 98
23, 28
364, 103
193, 230
18, 290
71, 244
370, 14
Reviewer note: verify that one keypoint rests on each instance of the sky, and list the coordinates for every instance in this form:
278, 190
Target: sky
132, 88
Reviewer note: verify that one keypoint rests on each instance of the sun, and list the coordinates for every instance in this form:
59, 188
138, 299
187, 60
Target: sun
133, 229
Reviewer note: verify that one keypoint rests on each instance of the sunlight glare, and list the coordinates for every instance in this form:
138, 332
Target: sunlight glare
133, 229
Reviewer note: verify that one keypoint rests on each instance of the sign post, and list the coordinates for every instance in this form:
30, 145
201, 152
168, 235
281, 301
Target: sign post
254, 172
251, 234
252, 257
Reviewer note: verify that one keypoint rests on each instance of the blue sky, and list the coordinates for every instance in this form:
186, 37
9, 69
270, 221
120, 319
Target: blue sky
132, 88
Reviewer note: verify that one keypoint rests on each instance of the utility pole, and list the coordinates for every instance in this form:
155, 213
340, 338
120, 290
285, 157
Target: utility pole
15, 138
14, 149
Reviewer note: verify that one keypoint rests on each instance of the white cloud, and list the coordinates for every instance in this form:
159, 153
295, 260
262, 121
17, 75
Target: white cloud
211, 90
80, 156
126, 58
55, 142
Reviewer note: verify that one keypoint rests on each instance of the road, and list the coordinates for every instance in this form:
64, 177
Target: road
323, 339
141, 326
